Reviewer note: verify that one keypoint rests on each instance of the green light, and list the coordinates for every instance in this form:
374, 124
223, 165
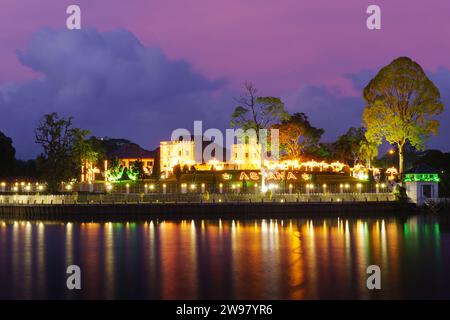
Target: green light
133, 175
114, 174
436, 230
422, 177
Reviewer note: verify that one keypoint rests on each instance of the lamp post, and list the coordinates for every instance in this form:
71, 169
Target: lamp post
347, 186
359, 187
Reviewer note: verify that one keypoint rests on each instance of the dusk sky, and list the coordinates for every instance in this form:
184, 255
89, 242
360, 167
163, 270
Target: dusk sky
139, 69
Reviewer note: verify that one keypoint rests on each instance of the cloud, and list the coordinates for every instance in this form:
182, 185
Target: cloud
327, 108
360, 79
111, 84
335, 112
441, 78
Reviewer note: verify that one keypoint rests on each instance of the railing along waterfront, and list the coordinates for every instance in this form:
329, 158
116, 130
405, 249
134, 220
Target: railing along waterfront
173, 187
192, 198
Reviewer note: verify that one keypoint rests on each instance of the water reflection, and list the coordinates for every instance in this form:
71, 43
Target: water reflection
220, 259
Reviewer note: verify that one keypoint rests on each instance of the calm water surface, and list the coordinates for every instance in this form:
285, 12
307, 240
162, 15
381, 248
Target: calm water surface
253, 259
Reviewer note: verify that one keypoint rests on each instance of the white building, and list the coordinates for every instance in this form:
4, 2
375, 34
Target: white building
422, 183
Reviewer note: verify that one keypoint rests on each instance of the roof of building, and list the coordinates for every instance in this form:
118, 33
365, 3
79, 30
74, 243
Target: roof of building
421, 169
131, 151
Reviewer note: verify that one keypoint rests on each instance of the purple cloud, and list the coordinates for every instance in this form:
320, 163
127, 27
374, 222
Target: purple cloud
334, 111
111, 84
327, 108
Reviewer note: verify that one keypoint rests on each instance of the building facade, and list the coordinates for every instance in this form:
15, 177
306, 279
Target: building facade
174, 153
422, 183
182, 152
131, 153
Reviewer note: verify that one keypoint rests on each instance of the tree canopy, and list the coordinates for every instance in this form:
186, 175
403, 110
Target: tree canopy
56, 136
347, 147
257, 112
297, 135
401, 106
65, 150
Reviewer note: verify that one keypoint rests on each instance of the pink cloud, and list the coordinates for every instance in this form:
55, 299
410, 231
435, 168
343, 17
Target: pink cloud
280, 45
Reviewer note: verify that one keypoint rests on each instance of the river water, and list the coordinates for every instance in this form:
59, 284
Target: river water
222, 259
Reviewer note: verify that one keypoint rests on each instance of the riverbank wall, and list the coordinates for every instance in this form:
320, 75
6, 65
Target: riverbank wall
182, 211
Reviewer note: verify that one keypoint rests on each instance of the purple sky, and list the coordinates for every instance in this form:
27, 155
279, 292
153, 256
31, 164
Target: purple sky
140, 68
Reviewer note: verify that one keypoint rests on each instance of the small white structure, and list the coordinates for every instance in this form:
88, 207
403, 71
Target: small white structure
422, 183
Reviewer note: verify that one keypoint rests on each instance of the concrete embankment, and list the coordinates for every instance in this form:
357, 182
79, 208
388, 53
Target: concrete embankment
176, 211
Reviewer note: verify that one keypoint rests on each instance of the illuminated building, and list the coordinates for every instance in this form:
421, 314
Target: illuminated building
181, 152
88, 172
174, 153
422, 183
246, 156
130, 153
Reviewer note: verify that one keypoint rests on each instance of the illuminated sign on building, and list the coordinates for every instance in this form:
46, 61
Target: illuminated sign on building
271, 176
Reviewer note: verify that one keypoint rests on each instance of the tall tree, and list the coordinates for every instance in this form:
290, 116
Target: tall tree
401, 106
7, 156
298, 136
56, 136
257, 112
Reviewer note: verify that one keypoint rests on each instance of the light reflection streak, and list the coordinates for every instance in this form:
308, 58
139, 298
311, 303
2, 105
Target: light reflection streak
280, 259
40, 252
109, 279
28, 259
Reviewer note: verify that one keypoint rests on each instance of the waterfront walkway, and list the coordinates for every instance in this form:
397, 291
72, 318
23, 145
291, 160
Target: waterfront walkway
123, 198
137, 207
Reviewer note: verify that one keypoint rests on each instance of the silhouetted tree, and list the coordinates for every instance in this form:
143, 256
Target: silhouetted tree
7, 156
56, 137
